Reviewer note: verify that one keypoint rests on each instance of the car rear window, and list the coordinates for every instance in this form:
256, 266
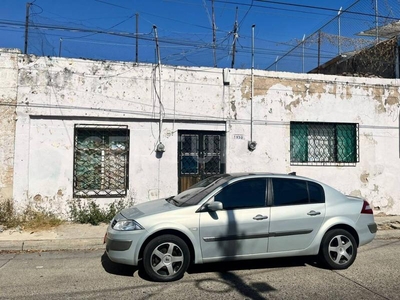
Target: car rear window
316, 192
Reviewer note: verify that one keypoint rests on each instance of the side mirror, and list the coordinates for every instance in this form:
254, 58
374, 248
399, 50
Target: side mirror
214, 206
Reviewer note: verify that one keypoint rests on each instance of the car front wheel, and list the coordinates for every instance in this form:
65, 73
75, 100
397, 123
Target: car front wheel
338, 249
166, 258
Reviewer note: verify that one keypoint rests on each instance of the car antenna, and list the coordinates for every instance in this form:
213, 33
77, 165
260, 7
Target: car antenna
292, 173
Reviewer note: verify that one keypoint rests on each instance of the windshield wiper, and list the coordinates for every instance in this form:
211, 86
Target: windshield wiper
169, 199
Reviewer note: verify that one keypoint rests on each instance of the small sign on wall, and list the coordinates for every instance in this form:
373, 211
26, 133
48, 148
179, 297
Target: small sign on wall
238, 137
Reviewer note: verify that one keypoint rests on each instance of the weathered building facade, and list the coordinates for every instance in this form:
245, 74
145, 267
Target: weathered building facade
8, 101
111, 130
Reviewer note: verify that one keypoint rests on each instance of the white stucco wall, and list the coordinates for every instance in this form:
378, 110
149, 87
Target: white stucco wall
54, 94
8, 100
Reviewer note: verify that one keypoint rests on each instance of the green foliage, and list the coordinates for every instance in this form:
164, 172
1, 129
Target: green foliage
32, 217
8, 216
90, 212
39, 218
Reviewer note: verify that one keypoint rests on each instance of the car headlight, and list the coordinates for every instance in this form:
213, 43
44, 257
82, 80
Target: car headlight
127, 225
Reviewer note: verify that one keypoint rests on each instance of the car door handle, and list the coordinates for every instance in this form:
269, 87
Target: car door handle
313, 213
260, 217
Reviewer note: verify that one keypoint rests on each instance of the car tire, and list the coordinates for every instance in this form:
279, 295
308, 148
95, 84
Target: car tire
166, 258
338, 249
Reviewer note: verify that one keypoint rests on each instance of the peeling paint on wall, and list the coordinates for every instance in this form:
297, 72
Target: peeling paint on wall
300, 88
293, 104
383, 203
385, 96
356, 193
233, 108
364, 177
8, 97
370, 138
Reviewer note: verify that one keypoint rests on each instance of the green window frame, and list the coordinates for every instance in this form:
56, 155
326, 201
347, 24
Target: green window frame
324, 143
101, 161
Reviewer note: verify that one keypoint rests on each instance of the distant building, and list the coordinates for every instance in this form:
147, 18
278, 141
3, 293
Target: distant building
379, 60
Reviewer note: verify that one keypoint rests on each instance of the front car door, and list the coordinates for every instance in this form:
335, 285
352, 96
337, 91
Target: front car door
297, 213
241, 228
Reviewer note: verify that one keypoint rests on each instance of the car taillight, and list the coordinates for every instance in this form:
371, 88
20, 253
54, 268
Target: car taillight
366, 209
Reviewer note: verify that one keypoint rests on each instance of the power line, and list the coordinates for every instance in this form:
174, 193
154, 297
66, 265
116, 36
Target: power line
112, 4
304, 6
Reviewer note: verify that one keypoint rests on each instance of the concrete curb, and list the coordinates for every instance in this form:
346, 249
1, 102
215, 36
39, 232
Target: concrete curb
51, 244
68, 236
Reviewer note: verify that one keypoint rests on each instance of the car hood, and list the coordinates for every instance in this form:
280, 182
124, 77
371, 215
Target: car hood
147, 209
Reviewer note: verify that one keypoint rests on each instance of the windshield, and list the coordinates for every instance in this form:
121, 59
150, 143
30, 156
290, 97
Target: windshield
194, 194
207, 181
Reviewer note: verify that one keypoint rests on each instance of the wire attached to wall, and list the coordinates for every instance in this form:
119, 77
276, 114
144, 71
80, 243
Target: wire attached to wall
160, 146
252, 144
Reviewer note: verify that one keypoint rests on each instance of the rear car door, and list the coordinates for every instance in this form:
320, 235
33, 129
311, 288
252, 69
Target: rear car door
241, 228
297, 213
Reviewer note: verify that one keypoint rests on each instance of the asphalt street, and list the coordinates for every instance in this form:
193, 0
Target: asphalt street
88, 274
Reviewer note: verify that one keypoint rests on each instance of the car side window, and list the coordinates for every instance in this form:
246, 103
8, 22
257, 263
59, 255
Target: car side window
316, 193
243, 194
289, 191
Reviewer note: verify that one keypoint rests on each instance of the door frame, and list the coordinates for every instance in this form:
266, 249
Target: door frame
200, 151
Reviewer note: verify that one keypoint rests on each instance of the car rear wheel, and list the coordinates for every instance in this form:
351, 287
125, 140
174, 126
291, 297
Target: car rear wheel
338, 249
166, 258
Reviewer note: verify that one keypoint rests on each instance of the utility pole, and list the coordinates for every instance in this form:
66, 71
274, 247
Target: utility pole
303, 42
319, 49
376, 21
339, 33
137, 37
214, 35
235, 36
59, 48
28, 6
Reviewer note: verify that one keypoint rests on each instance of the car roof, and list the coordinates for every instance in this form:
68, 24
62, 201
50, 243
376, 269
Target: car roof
268, 174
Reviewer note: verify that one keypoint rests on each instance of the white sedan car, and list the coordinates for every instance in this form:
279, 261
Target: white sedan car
238, 217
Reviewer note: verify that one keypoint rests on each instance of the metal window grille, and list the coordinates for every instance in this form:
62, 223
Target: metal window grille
323, 143
101, 156
212, 154
189, 154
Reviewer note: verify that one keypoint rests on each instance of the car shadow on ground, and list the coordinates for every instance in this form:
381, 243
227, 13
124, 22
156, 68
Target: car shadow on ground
219, 267
117, 269
270, 263
121, 269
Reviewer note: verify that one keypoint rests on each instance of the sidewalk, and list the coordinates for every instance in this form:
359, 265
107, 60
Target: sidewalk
71, 236
68, 236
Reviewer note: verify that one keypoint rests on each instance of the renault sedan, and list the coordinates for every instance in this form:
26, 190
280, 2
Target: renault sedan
238, 217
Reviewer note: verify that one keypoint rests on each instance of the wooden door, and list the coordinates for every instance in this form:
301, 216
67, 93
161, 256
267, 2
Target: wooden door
200, 154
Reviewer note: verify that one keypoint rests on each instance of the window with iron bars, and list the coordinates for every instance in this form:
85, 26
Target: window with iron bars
101, 155
323, 143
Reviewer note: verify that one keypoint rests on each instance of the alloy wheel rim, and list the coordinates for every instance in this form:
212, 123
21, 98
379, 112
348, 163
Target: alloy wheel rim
340, 249
167, 259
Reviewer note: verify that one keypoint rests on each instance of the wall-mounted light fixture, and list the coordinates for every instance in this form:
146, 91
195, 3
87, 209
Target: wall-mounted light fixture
160, 147
252, 145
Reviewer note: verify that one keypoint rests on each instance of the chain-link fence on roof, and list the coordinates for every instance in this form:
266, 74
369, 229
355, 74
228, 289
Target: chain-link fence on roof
360, 26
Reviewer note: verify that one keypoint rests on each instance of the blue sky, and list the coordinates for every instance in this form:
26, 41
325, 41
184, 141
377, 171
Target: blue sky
183, 28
